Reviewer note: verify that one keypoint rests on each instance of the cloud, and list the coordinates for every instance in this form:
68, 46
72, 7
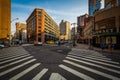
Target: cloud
22, 12
70, 12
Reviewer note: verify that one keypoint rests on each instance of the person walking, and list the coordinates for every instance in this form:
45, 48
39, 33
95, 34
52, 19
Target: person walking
112, 46
102, 45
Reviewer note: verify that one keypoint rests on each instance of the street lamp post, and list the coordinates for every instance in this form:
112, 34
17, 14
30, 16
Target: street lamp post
14, 19
74, 44
10, 32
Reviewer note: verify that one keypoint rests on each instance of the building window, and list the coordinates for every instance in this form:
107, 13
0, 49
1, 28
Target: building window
108, 6
39, 34
98, 5
39, 12
118, 2
39, 26
114, 40
98, 40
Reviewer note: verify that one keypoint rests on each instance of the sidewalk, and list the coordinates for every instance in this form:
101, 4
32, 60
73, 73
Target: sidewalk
85, 46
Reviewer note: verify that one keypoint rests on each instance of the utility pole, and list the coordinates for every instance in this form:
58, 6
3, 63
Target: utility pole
74, 44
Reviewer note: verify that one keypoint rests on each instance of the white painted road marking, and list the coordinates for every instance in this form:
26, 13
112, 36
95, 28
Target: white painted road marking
81, 75
40, 74
56, 76
13, 59
95, 61
15, 62
92, 64
90, 54
92, 70
14, 68
97, 58
13, 56
24, 72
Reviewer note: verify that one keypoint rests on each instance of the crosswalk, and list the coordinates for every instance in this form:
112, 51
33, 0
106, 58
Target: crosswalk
80, 63
18, 63
12, 61
83, 63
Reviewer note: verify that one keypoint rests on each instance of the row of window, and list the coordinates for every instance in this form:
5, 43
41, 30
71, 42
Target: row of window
106, 31
112, 4
106, 40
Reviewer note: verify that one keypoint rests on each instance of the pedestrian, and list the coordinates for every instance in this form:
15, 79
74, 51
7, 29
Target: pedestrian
102, 45
112, 47
20, 42
58, 43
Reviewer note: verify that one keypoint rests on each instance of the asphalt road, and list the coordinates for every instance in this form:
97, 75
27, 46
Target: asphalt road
51, 62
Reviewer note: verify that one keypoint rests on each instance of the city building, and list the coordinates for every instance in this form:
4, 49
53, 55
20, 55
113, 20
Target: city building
94, 5
74, 33
24, 35
5, 19
88, 31
107, 24
41, 27
65, 30
21, 32
81, 21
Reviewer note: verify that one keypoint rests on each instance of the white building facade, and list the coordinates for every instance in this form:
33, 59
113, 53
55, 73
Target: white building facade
65, 30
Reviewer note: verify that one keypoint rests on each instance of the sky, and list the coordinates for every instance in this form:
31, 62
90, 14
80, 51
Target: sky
57, 9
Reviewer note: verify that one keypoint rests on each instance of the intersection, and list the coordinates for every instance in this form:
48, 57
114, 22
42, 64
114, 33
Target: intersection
52, 62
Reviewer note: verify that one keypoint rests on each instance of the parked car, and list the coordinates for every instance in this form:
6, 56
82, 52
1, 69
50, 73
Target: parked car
2, 46
50, 42
38, 43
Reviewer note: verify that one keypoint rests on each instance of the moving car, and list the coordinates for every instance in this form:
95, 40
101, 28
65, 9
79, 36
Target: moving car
2, 46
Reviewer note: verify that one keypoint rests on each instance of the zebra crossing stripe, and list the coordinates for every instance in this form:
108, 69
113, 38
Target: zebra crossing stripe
14, 68
27, 44
95, 61
13, 59
40, 74
24, 72
56, 76
13, 54
89, 63
92, 70
81, 75
15, 62
90, 54
93, 57
104, 60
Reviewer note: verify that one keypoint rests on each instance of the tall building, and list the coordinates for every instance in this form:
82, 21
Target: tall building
74, 33
88, 30
94, 5
41, 27
65, 32
107, 24
21, 32
111, 3
81, 21
118, 2
5, 19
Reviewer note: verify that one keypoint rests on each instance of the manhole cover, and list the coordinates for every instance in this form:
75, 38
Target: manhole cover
59, 50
